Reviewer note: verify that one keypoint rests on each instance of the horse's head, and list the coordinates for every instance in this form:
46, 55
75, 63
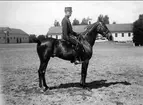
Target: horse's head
98, 27
102, 29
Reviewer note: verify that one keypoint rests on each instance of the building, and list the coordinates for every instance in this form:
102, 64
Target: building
56, 32
120, 32
12, 35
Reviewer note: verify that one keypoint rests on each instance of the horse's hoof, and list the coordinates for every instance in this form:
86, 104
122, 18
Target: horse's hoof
87, 88
82, 85
46, 88
40, 86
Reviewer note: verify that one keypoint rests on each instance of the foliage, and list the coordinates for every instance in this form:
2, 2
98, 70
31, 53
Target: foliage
114, 22
41, 37
75, 22
85, 21
104, 19
32, 37
56, 23
138, 31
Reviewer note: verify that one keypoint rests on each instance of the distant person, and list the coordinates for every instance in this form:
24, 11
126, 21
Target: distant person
68, 34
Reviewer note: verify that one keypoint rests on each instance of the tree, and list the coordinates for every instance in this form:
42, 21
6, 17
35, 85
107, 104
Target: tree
114, 22
41, 37
32, 37
104, 19
75, 22
100, 18
86, 21
56, 23
138, 31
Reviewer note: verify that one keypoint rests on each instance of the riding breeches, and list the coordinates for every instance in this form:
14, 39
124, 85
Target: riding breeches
73, 40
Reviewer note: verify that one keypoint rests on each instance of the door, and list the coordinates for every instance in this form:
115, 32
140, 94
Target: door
7, 40
17, 40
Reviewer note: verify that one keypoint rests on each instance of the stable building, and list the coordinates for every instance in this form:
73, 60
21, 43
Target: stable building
120, 32
12, 35
56, 32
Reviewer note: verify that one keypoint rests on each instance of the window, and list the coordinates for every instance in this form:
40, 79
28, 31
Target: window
116, 35
129, 34
3, 37
0, 37
122, 34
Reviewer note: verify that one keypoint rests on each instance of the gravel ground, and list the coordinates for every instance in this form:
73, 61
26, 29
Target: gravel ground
115, 76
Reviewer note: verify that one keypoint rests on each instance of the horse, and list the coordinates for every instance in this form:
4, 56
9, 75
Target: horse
65, 51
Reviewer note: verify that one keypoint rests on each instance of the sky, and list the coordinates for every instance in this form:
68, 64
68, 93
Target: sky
36, 17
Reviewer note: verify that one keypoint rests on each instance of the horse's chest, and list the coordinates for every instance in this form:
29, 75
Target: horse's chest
87, 52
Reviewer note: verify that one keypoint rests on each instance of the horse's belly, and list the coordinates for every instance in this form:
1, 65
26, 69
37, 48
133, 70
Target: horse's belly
66, 54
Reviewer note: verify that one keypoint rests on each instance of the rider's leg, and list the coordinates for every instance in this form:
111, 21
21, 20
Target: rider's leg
78, 49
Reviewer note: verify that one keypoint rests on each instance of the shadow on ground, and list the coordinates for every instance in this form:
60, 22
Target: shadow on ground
91, 85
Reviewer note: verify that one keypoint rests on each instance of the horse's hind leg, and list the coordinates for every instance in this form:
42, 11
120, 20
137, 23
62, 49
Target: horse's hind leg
41, 72
40, 77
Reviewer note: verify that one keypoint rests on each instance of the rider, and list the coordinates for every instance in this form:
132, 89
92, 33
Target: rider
68, 34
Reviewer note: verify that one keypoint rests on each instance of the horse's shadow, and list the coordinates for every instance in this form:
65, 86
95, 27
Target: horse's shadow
91, 85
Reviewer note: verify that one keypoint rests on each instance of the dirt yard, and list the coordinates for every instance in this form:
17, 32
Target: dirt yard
115, 76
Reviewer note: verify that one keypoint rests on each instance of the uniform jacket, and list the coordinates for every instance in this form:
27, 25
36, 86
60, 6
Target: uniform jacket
67, 28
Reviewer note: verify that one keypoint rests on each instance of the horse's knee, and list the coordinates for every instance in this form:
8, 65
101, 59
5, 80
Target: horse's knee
39, 72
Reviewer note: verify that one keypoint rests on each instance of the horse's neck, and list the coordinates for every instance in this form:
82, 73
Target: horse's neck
91, 37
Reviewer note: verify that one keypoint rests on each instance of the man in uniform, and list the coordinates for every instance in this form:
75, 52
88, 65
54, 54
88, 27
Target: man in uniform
68, 34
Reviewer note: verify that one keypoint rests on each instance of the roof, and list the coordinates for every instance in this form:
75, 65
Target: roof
81, 28
12, 31
120, 27
58, 30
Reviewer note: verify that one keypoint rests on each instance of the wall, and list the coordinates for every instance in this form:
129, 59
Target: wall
120, 38
14, 38
55, 36
2, 38
19, 38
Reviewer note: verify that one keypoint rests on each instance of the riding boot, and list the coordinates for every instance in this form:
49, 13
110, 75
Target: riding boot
54, 52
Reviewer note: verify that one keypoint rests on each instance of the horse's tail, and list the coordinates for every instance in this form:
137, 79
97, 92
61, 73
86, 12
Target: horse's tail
36, 40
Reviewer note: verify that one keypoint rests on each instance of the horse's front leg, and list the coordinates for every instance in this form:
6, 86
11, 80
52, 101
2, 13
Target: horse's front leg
84, 73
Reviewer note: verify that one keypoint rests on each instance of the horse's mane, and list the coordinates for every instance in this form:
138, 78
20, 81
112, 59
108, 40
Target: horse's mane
88, 28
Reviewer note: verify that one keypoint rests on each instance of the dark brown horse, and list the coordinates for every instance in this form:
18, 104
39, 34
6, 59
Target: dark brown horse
65, 50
